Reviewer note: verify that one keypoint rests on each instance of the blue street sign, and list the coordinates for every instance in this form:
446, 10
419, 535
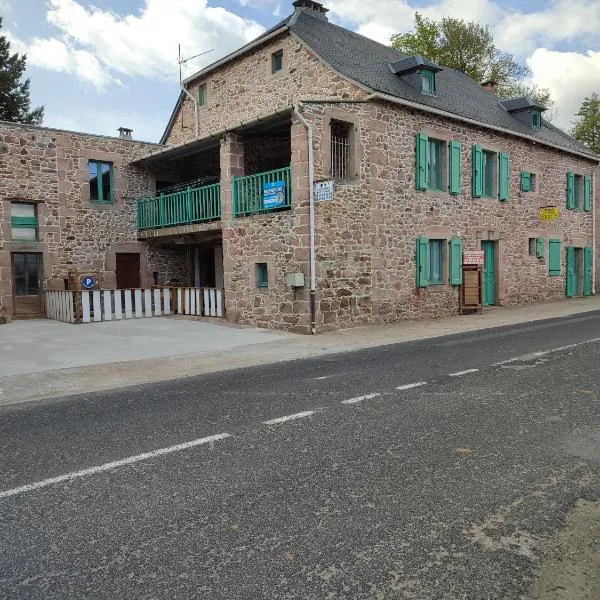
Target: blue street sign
274, 194
88, 283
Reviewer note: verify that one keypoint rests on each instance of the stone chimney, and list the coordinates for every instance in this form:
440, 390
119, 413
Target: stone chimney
315, 8
125, 133
490, 85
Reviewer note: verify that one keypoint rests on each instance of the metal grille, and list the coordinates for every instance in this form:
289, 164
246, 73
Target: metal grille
340, 150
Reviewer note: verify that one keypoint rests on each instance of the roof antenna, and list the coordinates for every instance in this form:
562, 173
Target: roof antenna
184, 61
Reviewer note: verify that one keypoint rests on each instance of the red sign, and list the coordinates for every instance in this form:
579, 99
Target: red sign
475, 257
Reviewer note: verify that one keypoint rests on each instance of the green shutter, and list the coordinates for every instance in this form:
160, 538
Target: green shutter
525, 181
422, 262
504, 176
587, 193
570, 190
421, 162
587, 271
455, 179
477, 171
539, 247
456, 252
554, 258
571, 281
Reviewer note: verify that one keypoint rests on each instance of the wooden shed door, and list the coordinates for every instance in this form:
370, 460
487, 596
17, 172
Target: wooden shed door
27, 275
128, 271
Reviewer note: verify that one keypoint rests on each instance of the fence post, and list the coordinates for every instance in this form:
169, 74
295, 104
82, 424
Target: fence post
190, 207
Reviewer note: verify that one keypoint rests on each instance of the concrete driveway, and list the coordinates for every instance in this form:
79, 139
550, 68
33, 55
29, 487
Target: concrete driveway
44, 345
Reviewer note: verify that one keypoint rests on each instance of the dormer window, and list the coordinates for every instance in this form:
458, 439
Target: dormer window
536, 119
526, 110
428, 82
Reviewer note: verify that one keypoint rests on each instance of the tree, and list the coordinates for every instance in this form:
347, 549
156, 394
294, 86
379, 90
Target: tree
468, 47
587, 126
14, 94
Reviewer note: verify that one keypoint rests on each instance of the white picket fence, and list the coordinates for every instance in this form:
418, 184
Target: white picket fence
109, 305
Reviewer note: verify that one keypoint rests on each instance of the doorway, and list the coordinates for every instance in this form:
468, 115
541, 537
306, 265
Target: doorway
127, 271
27, 276
579, 271
489, 272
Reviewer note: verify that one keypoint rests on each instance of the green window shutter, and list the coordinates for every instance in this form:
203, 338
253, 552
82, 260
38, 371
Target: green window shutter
587, 193
554, 258
477, 171
504, 176
455, 179
570, 190
421, 162
539, 247
587, 271
525, 181
456, 252
422, 262
571, 282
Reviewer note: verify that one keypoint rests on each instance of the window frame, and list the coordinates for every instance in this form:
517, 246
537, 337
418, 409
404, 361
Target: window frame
262, 275
429, 76
489, 156
342, 175
277, 62
202, 95
578, 191
17, 223
440, 145
441, 260
536, 119
101, 199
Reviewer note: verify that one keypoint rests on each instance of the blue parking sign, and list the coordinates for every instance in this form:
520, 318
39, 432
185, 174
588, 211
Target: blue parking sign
274, 194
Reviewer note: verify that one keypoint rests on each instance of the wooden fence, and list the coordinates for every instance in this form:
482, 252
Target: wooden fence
109, 305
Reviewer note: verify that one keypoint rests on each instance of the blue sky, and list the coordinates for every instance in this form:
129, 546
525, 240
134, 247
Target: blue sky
102, 64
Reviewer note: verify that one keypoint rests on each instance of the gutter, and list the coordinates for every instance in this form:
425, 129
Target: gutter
311, 211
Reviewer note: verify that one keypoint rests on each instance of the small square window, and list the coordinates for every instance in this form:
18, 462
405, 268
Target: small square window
101, 181
532, 247
536, 119
202, 95
532, 182
436, 262
435, 165
428, 82
489, 173
262, 275
277, 61
23, 218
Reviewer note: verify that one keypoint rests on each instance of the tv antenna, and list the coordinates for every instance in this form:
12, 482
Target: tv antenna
184, 61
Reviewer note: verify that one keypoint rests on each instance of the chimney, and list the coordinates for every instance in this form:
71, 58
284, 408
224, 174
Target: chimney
315, 8
125, 133
490, 85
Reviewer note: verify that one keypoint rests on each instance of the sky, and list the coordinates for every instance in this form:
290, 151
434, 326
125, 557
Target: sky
99, 65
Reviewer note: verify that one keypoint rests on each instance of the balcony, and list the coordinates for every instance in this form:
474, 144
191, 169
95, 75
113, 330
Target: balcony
262, 192
181, 207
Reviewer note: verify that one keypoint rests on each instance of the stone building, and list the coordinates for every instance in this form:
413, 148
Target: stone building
425, 164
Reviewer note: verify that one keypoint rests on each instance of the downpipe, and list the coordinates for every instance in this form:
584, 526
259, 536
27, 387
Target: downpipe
195, 103
311, 212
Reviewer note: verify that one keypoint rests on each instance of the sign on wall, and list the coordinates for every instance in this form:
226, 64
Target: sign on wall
274, 194
473, 257
549, 213
88, 283
323, 191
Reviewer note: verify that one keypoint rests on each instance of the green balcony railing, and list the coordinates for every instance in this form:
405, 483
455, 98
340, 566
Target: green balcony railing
190, 205
262, 192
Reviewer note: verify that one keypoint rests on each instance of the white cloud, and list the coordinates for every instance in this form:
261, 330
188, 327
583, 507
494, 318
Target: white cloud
100, 45
570, 76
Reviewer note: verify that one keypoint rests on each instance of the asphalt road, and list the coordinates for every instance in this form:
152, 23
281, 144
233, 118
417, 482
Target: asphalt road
450, 489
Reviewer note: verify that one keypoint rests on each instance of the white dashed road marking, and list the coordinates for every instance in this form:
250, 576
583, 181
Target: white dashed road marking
360, 398
534, 355
299, 415
113, 465
465, 372
410, 386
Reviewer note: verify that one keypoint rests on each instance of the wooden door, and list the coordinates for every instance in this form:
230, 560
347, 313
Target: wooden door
27, 276
128, 271
489, 273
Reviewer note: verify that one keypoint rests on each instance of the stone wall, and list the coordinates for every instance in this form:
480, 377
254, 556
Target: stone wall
50, 168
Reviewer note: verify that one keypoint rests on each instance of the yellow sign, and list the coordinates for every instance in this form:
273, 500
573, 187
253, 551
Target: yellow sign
549, 213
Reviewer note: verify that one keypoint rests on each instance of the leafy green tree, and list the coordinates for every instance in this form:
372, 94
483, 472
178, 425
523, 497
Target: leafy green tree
587, 125
468, 47
15, 104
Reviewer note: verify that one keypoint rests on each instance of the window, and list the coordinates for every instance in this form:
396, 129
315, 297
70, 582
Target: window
23, 220
528, 181
532, 247
262, 275
489, 173
579, 191
277, 61
202, 95
428, 82
340, 150
101, 181
435, 164
536, 119
436, 262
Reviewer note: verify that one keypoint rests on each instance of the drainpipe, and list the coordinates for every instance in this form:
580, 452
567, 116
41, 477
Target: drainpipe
594, 237
311, 211
195, 103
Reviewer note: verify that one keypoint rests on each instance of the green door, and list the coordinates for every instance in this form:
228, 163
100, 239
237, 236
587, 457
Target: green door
587, 271
572, 272
489, 272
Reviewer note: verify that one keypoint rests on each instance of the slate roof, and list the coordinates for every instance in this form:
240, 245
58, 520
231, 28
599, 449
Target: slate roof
411, 63
520, 104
